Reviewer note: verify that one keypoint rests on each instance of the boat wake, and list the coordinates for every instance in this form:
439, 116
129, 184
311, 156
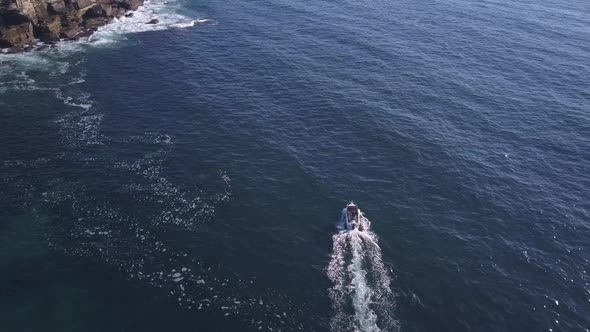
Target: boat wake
362, 298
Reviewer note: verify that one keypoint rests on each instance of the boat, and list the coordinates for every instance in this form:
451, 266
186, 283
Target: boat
349, 219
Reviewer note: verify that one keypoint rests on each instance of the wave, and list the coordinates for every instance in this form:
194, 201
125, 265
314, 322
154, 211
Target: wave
361, 295
164, 11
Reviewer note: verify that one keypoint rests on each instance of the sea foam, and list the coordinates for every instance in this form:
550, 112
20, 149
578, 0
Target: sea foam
361, 283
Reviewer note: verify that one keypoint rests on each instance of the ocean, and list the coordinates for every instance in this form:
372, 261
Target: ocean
186, 176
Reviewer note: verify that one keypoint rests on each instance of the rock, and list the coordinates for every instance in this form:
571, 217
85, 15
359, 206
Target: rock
117, 12
29, 48
56, 7
69, 33
16, 35
73, 19
84, 34
95, 23
14, 50
98, 10
23, 22
108, 9
129, 4
49, 28
13, 17
153, 21
16, 29
82, 5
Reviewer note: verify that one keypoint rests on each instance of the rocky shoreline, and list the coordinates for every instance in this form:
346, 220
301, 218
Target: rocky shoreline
27, 25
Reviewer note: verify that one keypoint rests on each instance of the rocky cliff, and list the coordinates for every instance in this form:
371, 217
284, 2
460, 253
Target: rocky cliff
24, 22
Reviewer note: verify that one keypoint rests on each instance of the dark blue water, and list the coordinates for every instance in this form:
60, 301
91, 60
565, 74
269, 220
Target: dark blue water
187, 178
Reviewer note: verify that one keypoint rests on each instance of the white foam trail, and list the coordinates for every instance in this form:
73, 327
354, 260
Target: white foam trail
362, 299
365, 317
338, 275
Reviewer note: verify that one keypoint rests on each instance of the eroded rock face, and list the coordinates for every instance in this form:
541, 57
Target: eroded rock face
49, 28
96, 22
56, 7
16, 29
82, 5
23, 22
70, 32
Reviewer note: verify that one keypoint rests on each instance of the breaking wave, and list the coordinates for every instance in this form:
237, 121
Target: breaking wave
56, 60
164, 11
361, 295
